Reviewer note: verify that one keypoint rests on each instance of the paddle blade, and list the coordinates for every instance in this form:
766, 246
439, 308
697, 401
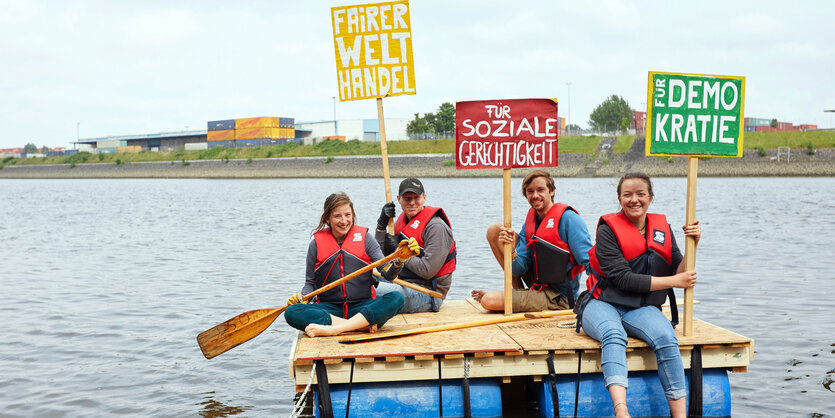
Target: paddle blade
236, 331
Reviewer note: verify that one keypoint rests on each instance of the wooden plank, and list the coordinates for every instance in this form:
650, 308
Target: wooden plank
471, 340
504, 350
741, 369
521, 365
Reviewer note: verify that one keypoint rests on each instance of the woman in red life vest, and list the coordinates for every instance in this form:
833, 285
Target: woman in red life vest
634, 263
339, 247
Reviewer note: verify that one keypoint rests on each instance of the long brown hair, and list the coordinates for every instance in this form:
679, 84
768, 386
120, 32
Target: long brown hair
332, 202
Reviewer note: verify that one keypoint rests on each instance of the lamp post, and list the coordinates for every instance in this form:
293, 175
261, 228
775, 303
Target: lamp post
568, 120
77, 127
335, 131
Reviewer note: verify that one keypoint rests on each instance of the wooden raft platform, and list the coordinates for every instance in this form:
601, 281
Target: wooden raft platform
500, 350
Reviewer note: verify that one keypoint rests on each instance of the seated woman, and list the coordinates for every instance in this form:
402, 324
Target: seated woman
339, 248
634, 263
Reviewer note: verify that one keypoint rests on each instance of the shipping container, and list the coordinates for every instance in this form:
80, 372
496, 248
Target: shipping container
225, 135
255, 142
784, 126
807, 127
192, 146
111, 150
763, 128
227, 144
287, 122
129, 148
113, 143
257, 122
750, 129
220, 125
255, 133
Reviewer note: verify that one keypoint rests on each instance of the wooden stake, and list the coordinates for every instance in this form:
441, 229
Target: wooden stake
690, 242
385, 154
508, 248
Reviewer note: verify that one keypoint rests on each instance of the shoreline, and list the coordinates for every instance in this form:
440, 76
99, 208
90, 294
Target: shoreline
821, 164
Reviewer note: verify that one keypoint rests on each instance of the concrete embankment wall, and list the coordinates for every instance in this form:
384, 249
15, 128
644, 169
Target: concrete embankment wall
435, 165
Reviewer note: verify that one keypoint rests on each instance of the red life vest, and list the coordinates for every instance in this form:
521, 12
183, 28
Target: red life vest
334, 261
646, 255
551, 255
415, 230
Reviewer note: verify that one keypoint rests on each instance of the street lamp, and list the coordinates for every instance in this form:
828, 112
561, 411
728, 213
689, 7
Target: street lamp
568, 120
77, 127
335, 132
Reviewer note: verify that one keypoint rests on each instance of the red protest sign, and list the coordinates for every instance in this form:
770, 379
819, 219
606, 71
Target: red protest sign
506, 133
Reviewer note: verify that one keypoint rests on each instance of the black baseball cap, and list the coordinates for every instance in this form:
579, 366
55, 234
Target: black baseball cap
411, 184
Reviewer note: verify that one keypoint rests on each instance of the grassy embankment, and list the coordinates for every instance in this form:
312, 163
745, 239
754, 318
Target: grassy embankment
568, 144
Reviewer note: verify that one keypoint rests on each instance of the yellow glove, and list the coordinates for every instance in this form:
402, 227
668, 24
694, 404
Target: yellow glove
297, 298
413, 247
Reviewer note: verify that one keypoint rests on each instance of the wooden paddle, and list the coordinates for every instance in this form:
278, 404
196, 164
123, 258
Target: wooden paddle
446, 327
413, 286
246, 326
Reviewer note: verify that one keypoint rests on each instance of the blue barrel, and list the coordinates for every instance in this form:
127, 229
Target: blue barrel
416, 399
644, 397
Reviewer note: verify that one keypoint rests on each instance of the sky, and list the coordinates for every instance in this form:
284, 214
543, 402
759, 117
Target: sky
91, 69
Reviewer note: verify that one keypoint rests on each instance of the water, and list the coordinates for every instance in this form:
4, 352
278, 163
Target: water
106, 284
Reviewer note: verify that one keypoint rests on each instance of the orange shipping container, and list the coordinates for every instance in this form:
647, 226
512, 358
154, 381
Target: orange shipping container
259, 122
224, 135
256, 133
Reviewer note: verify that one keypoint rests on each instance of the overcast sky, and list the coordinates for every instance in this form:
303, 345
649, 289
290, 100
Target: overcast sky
130, 67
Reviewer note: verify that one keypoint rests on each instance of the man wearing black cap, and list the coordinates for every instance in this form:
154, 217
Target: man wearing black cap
431, 228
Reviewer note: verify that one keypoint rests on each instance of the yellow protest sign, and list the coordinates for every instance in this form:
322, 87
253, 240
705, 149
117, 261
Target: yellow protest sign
373, 46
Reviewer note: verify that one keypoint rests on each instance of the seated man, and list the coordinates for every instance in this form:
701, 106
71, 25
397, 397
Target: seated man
430, 227
551, 252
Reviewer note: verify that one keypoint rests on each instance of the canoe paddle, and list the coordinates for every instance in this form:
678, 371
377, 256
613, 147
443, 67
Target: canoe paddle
446, 327
413, 286
246, 326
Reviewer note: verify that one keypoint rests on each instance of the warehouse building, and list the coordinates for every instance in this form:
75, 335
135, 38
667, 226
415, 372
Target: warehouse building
248, 132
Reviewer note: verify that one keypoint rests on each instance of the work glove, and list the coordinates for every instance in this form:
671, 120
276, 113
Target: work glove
385, 214
297, 298
413, 246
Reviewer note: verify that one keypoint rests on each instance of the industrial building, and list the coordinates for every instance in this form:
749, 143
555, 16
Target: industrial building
247, 132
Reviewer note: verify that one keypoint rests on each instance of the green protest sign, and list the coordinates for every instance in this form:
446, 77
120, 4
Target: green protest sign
695, 115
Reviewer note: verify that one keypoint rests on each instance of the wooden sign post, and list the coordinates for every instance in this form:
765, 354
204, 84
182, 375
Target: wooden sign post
373, 47
694, 115
506, 134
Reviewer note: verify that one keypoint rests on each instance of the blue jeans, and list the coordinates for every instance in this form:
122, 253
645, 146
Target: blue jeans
610, 324
376, 311
415, 301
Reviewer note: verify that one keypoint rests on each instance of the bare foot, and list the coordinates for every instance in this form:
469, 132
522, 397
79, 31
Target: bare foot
370, 329
316, 330
477, 294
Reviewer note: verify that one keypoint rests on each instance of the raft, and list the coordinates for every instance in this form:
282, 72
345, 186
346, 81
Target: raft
483, 370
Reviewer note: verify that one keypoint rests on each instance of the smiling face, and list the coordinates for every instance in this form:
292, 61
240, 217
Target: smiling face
539, 196
340, 220
411, 203
635, 197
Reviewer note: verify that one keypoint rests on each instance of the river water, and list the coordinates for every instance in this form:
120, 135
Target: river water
106, 284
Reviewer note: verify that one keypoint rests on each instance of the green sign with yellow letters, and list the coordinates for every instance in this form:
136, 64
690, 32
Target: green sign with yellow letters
695, 115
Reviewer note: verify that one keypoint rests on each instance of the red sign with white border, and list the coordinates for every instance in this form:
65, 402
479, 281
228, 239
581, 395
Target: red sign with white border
506, 133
